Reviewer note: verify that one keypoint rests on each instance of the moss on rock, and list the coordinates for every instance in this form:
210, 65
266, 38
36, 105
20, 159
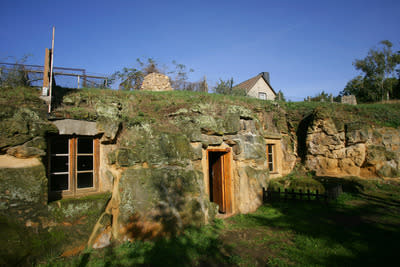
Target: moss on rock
22, 186
163, 194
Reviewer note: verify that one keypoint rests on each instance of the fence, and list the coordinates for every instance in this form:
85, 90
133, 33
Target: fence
330, 194
64, 77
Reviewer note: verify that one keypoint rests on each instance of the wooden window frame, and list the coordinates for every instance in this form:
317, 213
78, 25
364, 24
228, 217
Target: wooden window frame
271, 158
73, 154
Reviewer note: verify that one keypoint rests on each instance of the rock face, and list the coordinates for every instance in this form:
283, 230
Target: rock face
352, 149
157, 170
156, 82
161, 180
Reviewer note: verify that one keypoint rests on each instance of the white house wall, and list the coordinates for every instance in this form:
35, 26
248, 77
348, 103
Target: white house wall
261, 87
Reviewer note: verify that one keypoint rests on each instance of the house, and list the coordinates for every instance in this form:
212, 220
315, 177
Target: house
258, 87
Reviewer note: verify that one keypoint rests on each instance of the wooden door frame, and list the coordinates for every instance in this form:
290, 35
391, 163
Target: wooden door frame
227, 173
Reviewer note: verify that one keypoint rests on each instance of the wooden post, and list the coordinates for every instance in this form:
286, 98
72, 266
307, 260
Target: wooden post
286, 192
46, 73
51, 69
308, 194
84, 78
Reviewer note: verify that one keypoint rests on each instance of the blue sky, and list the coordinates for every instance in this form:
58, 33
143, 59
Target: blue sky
307, 46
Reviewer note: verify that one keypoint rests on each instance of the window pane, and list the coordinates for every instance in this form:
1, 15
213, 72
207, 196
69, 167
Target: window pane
270, 157
85, 163
59, 164
85, 145
59, 146
58, 182
270, 166
85, 180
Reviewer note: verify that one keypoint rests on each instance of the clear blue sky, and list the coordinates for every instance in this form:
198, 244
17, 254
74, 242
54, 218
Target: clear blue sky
307, 46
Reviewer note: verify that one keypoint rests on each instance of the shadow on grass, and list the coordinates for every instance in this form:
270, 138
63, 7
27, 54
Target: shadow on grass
196, 247
337, 234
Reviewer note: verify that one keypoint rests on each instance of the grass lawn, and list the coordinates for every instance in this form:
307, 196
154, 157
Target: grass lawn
360, 228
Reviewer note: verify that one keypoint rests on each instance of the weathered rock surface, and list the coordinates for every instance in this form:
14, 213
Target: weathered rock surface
154, 168
355, 149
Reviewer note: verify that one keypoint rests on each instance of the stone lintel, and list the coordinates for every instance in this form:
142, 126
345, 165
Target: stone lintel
78, 127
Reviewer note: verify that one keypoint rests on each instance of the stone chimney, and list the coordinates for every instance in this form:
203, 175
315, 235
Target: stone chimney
265, 76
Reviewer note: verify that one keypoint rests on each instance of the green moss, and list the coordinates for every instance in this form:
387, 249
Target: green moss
22, 246
71, 209
231, 123
297, 180
23, 185
159, 191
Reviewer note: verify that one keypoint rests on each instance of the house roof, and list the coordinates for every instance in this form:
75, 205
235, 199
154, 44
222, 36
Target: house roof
248, 84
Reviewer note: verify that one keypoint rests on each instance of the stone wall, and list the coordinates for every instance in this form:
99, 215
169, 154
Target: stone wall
349, 99
156, 82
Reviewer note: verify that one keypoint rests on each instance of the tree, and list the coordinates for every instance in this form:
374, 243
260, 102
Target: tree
378, 66
132, 78
200, 86
179, 81
226, 88
150, 67
16, 75
321, 97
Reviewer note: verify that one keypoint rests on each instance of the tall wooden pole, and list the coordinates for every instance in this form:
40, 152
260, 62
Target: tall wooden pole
51, 69
46, 71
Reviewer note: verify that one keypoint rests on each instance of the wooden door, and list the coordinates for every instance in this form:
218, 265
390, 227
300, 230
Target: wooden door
227, 182
218, 181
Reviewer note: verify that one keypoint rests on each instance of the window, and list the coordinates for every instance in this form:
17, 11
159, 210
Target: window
73, 165
262, 96
270, 157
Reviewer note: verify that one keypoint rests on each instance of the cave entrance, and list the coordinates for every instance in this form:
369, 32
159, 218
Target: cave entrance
219, 173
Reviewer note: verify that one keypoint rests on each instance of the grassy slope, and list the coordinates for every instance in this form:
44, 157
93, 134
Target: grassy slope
154, 106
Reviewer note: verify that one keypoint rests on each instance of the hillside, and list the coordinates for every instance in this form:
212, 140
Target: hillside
112, 166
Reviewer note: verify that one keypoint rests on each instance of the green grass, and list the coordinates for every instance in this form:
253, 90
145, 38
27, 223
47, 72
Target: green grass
193, 247
381, 114
360, 228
